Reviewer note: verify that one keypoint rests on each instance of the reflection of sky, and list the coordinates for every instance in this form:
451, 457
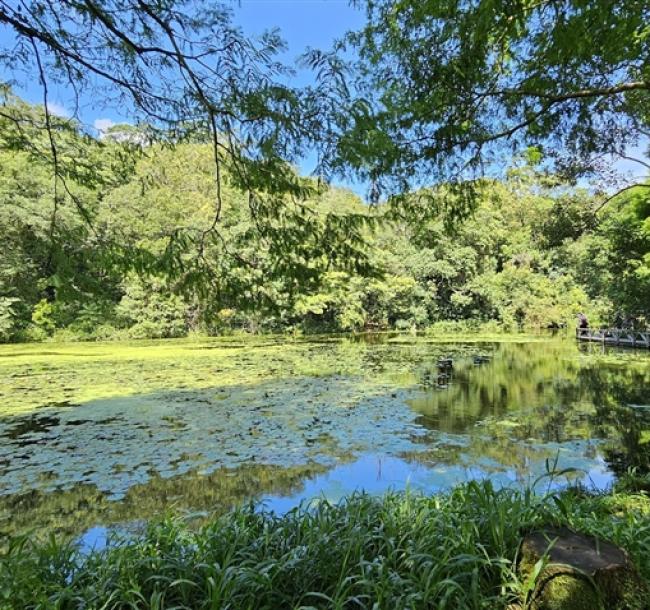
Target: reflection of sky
376, 474
94, 538
98, 537
371, 473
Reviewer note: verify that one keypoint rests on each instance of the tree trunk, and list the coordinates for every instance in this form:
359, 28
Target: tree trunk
580, 573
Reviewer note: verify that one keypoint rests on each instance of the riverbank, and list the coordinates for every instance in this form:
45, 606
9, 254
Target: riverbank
449, 328
455, 550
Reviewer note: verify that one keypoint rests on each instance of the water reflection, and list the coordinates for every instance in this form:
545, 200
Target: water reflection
320, 419
376, 474
540, 392
80, 508
379, 473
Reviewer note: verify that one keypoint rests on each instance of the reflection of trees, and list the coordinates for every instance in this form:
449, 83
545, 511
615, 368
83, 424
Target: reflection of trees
519, 377
542, 392
72, 511
621, 397
490, 454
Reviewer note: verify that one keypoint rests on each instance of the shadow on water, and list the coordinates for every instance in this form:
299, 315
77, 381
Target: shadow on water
82, 507
27, 426
338, 418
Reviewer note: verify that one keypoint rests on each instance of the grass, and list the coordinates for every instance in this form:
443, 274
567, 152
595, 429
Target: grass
457, 550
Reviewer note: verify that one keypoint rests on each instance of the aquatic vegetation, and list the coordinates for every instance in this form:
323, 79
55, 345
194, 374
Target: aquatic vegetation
101, 434
457, 551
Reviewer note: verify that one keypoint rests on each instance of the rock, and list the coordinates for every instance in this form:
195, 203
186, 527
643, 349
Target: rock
581, 573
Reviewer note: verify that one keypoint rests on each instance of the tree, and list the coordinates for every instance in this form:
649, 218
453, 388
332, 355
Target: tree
615, 259
51, 252
183, 71
460, 84
250, 264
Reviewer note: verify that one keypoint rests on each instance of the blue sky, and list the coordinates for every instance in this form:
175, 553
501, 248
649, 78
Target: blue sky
302, 23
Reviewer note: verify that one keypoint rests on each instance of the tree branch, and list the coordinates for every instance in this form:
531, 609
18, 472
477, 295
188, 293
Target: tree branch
634, 159
581, 93
617, 193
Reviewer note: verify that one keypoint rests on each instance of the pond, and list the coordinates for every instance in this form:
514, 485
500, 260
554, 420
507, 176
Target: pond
93, 435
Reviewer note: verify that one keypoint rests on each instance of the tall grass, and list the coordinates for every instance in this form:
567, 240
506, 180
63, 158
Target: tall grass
400, 551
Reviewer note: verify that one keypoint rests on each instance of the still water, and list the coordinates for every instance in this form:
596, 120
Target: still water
99, 435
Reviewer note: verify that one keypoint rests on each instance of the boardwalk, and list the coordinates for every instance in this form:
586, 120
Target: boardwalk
615, 336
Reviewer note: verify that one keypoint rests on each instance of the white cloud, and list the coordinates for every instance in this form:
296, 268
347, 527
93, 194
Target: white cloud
103, 125
58, 110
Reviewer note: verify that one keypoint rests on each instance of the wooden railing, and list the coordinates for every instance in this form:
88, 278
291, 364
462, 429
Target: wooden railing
615, 336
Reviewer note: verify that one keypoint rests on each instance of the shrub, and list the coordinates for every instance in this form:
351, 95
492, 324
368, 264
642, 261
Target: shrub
43, 316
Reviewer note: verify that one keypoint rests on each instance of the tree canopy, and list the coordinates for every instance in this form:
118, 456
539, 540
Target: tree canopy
444, 91
459, 85
535, 252
183, 71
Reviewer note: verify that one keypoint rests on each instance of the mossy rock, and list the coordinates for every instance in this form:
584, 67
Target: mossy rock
581, 573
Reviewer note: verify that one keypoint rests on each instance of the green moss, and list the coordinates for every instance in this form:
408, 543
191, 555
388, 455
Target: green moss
564, 591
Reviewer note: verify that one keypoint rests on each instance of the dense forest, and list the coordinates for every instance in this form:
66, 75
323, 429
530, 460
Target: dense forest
484, 133
124, 248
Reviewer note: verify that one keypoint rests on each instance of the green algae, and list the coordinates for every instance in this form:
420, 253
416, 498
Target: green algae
36, 375
110, 418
